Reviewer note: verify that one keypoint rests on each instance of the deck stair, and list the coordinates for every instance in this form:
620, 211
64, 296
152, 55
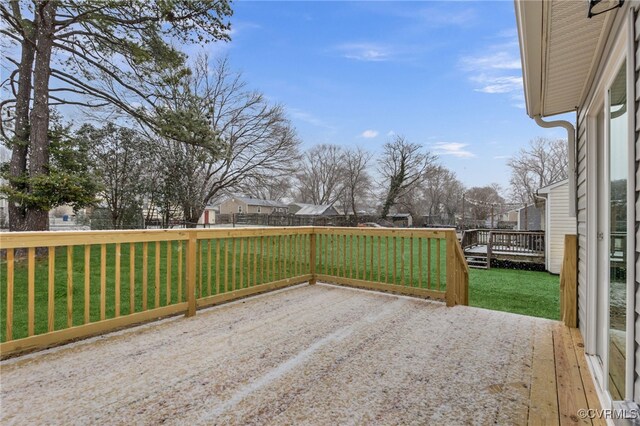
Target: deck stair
477, 262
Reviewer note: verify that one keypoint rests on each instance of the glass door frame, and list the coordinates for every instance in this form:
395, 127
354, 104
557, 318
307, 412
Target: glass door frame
621, 50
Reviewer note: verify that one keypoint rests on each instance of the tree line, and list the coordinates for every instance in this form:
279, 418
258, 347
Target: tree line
162, 135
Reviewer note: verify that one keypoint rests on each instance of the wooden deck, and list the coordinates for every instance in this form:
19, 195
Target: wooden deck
313, 354
561, 382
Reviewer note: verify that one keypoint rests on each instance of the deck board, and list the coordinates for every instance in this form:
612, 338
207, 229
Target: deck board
316, 354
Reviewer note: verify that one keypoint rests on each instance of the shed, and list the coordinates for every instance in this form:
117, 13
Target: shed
558, 223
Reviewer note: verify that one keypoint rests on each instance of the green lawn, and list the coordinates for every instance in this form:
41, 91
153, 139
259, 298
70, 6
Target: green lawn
521, 292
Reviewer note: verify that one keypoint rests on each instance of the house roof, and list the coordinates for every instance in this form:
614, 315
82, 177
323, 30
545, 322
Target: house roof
560, 49
312, 209
258, 202
549, 188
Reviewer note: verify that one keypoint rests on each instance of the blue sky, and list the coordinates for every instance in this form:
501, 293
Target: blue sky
444, 74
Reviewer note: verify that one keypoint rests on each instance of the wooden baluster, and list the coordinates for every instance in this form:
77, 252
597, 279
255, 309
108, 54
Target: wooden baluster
156, 286
240, 285
31, 290
233, 264
395, 259
428, 263
69, 286
249, 261
199, 260
103, 280
357, 265
420, 272
364, 257
386, 258
371, 259
255, 261
209, 255
225, 284
145, 275
117, 281
169, 275
438, 250
180, 254
87, 284
218, 267
326, 255
132, 278
379, 259
351, 256
411, 284
51, 290
402, 269
262, 258
10, 282
267, 259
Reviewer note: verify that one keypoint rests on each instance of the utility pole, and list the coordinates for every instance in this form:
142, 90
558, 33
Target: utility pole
463, 199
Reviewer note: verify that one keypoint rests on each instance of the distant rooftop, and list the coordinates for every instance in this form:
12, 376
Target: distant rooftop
258, 202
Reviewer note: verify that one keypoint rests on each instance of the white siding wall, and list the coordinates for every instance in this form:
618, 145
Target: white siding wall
559, 224
581, 214
637, 206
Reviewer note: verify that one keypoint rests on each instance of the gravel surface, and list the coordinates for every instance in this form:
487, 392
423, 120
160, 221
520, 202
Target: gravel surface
306, 355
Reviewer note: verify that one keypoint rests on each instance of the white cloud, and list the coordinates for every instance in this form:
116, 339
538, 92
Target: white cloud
391, 133
497, 70
368, 134
501, 157
498, 84
455, 149
501, 60
308, 118
372, 52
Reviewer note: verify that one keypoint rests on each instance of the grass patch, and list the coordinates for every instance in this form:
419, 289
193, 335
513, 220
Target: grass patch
520, 292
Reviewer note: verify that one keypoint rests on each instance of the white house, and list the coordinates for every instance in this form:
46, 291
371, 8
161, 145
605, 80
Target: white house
583, 58
557, 222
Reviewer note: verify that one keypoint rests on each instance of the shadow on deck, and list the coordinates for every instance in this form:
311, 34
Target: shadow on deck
317, 354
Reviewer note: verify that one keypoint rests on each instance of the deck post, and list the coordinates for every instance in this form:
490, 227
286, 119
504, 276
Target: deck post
451, 290
312, 256
191, 274
568, 282
489, 249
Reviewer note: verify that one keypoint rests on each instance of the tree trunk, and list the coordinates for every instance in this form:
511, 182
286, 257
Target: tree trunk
37, 219
20, 143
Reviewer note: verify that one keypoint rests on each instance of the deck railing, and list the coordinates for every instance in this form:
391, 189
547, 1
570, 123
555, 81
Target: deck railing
59, 286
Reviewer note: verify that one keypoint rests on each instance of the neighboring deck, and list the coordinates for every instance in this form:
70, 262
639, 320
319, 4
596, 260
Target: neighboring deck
311, 354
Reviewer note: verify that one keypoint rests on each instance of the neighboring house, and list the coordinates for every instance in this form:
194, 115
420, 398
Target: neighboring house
316, 210
558, 223
531, 218
589, 66
252, 205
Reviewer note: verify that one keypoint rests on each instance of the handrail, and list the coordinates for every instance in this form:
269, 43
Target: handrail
113, 279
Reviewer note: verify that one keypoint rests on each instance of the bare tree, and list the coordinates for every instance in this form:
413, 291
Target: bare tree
357, 179
542, 163
267, 187
252, 139
402, 166
483, 200
321, 179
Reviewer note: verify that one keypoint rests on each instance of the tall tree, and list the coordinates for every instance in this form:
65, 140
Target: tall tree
118, 159
402, 166
321, 179
543, 162
249, 137
98, 54
357, 179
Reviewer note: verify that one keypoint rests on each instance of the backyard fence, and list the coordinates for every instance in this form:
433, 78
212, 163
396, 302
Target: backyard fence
60, 286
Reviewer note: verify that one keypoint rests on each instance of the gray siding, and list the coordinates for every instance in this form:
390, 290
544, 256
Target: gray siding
581, 213
636, 392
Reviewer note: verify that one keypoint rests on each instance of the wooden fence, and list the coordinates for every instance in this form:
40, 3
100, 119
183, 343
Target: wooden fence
60, 286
